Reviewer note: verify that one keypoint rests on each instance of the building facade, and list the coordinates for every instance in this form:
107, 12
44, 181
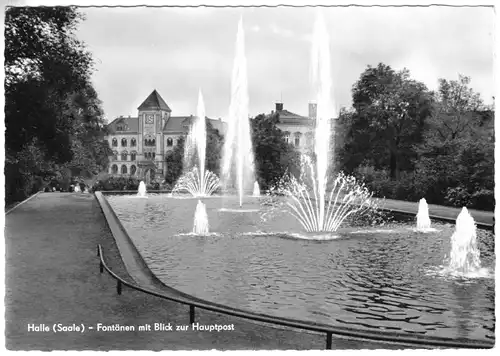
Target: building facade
141, 144
298, 130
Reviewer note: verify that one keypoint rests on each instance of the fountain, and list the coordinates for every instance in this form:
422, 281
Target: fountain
237, 138
315, 210
423, 220
256, 189
464, 257
77, 188
200, 220
199, 182
141, 191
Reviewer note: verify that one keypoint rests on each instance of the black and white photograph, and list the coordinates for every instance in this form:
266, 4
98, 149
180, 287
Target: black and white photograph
204, 176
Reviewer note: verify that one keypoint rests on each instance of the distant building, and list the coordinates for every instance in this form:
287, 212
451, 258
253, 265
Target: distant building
298, 130
140, 144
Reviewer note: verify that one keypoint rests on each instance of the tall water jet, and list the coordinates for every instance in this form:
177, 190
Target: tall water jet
310, 204
238, 145
141, 191
256, 189
198, 181
423, 219
464, 255
200, 220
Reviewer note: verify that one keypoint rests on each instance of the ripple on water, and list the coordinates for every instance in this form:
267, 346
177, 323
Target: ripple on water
377, 278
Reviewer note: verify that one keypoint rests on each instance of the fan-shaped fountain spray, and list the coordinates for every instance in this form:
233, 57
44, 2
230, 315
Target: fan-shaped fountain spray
315, 209
198, 181
238, 154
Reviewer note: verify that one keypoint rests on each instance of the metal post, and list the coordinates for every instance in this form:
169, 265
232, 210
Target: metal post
328, 341
191, 314
101, 267
118, 286
98, 253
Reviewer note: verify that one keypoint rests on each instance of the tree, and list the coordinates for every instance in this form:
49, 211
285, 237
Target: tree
273, 156
52, 114
456, 159
390, 110
174, 160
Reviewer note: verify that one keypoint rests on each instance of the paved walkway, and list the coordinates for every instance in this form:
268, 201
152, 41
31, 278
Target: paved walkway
52, 276
482, 217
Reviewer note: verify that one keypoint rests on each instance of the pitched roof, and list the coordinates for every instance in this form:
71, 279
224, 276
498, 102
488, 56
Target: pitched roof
154, 102
177, 124
182, 123
288, 117
130, 125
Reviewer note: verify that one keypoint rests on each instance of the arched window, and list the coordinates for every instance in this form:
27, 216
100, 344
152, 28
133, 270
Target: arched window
115, 156
124, 169
133, 156
170, 142
153, 142
133, 142
114, 142
153, 155
132, 170
114, 169
124, 156
124, 142
146, 155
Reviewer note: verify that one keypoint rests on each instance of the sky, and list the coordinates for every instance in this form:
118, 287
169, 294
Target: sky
179, 51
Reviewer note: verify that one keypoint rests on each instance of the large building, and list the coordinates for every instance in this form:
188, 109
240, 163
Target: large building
298, 130
140, 144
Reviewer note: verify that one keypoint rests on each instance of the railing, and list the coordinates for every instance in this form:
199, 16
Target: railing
413, 340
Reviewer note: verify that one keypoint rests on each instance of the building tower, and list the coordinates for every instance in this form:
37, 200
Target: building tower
153, 114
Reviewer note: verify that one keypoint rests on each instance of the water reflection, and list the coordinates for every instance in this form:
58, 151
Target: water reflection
364, 280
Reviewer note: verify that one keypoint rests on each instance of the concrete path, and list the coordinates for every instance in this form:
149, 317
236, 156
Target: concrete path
52, 277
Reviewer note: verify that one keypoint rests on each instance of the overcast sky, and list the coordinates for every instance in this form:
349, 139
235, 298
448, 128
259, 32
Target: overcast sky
180, 50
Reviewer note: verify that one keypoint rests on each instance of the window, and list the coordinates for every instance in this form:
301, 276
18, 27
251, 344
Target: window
153, 155
133, 142
124, 142
124, 156
297, 139
287, 136
132, 170
115, 156
114, 169
153, 143
132, 156
114, 143
124, 169
170, 142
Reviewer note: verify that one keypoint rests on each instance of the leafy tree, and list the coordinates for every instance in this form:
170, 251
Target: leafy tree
390, 110
174, 160
272, 154
52, 114
456, 160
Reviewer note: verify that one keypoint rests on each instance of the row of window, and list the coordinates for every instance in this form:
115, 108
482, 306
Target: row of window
114, 142
123, 170
133, 156
133, 142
